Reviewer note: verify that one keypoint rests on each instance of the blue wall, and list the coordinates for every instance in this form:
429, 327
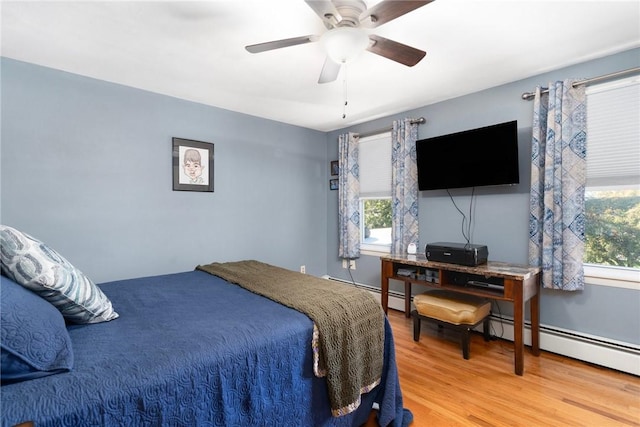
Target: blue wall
501, 214
87, 168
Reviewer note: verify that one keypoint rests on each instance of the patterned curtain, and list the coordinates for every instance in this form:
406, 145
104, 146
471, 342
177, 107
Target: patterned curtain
558, 178
348, 197
404, 186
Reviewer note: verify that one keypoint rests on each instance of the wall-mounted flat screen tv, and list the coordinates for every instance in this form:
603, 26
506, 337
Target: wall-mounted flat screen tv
471, 158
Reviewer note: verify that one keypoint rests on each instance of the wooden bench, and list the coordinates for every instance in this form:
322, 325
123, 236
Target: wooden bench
452, 309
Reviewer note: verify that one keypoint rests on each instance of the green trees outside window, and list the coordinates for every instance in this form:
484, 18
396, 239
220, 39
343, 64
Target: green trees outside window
377, 221
612, 228
377, 213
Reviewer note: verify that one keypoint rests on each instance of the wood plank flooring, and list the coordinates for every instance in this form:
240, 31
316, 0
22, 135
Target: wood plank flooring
442, 389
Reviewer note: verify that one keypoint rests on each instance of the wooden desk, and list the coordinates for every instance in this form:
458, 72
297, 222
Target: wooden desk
521, 284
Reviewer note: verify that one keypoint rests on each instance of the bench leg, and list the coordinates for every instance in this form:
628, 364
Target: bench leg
416, 327
465, 332
465, 343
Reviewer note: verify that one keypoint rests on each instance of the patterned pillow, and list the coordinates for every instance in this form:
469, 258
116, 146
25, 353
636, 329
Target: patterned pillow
34, 340
39, 268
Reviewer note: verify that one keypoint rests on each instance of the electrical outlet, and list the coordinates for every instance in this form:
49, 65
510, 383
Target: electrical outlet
349, 263
303, 269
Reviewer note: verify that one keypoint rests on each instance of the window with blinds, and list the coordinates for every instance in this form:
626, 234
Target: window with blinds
613, 129
612, 198
375, 192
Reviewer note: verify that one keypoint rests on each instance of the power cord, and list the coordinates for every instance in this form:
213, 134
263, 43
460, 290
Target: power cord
349, 270
466, 230
494, 335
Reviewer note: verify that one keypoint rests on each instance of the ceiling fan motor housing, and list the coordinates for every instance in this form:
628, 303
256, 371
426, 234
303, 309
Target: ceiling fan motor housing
350, 11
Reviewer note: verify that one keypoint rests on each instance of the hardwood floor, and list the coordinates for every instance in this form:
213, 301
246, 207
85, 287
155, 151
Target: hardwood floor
442, 389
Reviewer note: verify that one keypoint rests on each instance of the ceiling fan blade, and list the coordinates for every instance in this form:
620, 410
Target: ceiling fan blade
388, 10
327, 11
277, 44
330, 71
395, 51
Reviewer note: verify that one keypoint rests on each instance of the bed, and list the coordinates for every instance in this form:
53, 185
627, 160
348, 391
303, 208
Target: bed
187, 349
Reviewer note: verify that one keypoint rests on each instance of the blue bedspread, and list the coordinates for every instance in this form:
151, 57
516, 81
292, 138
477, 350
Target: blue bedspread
190, 349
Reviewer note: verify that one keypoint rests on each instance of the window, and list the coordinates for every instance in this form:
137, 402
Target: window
612, 197
375, 192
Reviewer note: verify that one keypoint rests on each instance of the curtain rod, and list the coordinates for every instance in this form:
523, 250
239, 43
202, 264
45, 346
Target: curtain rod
418, 121
530, 95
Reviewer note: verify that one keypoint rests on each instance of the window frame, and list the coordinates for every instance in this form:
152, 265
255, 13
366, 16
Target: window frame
600, 274
371, 248
617, 277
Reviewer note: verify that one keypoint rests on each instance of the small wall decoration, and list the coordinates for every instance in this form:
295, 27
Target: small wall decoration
333, 184
192, 165
335, 169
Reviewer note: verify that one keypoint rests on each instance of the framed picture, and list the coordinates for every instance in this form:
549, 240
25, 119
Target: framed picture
335, 169
192, 165
333, 184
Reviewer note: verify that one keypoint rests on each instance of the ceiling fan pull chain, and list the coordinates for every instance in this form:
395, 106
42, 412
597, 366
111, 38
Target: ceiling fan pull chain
344, 88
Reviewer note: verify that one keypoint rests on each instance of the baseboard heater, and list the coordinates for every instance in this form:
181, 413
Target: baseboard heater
613, 354
373, 289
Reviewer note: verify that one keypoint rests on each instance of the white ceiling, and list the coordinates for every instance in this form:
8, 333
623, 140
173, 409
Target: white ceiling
195, 50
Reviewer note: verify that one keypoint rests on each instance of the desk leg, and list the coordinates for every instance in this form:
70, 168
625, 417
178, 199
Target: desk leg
407, 299
385, 273
518, 332
534, 306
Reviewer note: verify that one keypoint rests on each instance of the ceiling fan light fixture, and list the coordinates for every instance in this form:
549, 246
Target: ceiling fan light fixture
344, 44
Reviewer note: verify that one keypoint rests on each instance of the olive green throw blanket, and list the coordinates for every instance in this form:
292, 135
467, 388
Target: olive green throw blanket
348, 339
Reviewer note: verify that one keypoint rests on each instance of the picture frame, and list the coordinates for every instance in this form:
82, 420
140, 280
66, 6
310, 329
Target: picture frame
333, 184
335, 168
192, 163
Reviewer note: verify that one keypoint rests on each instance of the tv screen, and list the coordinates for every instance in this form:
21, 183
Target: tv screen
472, 158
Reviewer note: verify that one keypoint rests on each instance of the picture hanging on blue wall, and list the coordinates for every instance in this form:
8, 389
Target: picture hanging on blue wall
192, 165
335, 168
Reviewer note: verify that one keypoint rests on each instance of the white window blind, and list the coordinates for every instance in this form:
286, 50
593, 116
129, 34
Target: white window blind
375, 165
613, 133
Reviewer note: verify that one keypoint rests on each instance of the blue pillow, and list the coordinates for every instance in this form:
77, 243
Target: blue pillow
39, 268
34, 340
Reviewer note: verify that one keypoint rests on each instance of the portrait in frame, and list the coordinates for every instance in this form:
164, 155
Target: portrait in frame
192, 165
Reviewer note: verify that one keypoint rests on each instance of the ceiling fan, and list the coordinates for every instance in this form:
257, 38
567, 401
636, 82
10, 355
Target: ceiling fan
346, 21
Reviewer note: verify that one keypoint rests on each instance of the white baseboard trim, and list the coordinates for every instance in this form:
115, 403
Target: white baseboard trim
601, 351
